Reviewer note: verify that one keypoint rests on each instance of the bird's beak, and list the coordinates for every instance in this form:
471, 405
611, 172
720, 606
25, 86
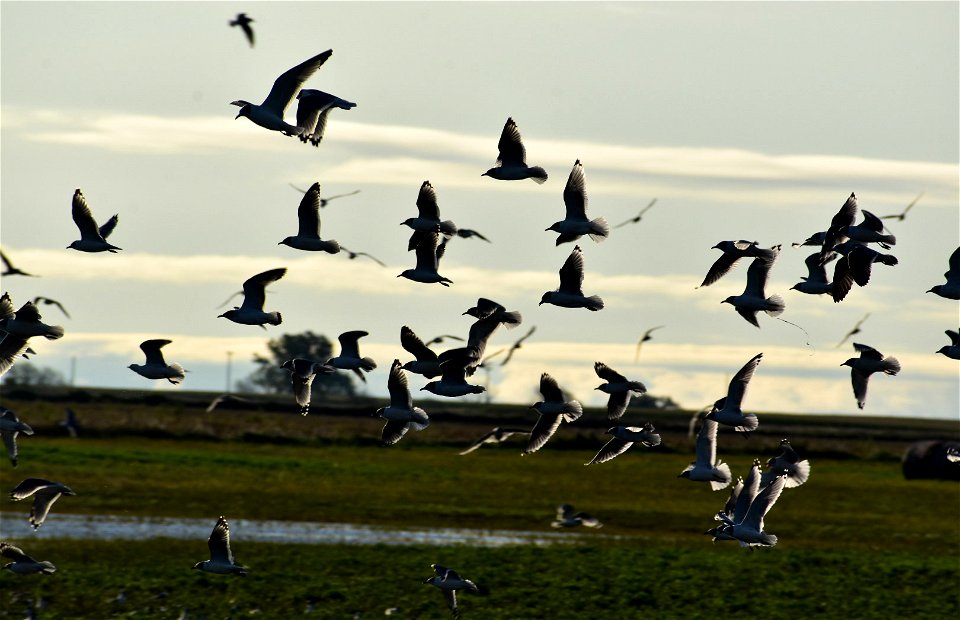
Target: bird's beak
238, 115
540, 304
220, 316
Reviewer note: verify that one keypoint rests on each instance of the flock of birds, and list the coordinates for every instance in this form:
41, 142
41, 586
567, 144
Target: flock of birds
846, 241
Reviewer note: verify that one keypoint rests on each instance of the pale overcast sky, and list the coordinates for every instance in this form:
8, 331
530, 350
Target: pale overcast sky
745, 121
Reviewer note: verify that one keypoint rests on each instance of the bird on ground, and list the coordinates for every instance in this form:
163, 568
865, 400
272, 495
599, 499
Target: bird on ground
453, 374
221, 560
754, 298
44, 493
324, 201
815, 282
308, 233
639, 216
352, 255
738, 504
251, 312
855, 265
750, 531
553, 410
400, 414
17, 328
51, 302
244, 22
570, 292
269, 114
707, 467
903, 214
727, 410
92, 238
787, 463
512, 160
517, 345
429, 251
313, 108
428, 217
852, 332
950, 290
302, 373
733, 251
869, 362
468, 233
22, 563
623, 438
449, 581
647, 335
70, 423
10, 270
10, 427
497, 436
566, 517
618, 387
576, 224
156, 367
953, 350
426, 362
349, 358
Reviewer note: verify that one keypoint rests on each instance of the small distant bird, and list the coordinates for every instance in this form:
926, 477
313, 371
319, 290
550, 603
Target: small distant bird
324, 201
244, 22
576, 224
618, 387
815, 282
467, 233
639, 216
727, 410
750, 531
449, 581
352, 255
789, 464
855, 265
349, 358
44, 494
221, 560
517, 345
570, 292
453, 374
22, 563
816, 239
497, 436
426, 362
51, 302
225, 398
623, 438
439, 339
10, 427
269, 114
869, 362
308, 233
512, 160
10, 270
70, 423
950, 290
251, 311
17, 329
707, 467
903, 214
302, 373
92, 238
566, 517
312, 111
733, 251
953, 455
953, 350
400, 414
853, 332
156, 367
428, 217
553, 410
429, 251
644, 338
754, 299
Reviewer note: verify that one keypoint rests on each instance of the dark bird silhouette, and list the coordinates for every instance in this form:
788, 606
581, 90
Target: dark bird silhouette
49, 302
352, 255
636, 219
853, 332
467, 233
70, 422
324, 201
516, 345
645, 337
10, 270
903, 214
496, 436
441, 338
244, 22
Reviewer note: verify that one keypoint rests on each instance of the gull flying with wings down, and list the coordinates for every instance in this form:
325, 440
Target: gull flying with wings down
512, 160
869, 362
619, 389
707, 467
727, 410
497, 436
644, 338
44, 493
553, 410
251, 312
855, 265
903, 214
639, 216
313, 108
16, 329
449, 581
156, 367
453, 374
22, 563
352, 255
244, 22
269, 114
51, 302
429, 251
570, 292
10, 270
950, 290
349, 358
302, 373
400, 414
623, 438
754, 298
467, 233
566, 517
10, 427
852, 332
324, 201
308, 233
92, 238
576, 224
221, 560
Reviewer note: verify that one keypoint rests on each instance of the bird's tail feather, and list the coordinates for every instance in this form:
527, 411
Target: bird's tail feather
448, 228
887, 259
539, 174
776, 305
275, 318
53, 332
600, 229
594, 303
368, 364
891, 366
511, 319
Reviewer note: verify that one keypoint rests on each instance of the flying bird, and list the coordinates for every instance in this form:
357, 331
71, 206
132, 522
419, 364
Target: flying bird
156, 367
517, 345
349, 358
439, 339
738, 504
618, 387
44, 493
903, 214
855, 265
789, 464
644, 338
400, 414
221, 560
10, 427
754, 298
428, 217
269, 114
308, 233
636, 219
302, 373
869, 362
512, 160
733, 251
352, 255
244, 22
497, 436
449, 581
566, 517
22, 563
324, 201
576, 224
490, 316
313, 108
51, 302
707, 467
92, 238
750, 531
953, 350
10, 270
553, 410
623, 438
727, 410
950, 290
70, 422
429, 251
426, 362
17, 328
852, 332
467, 233
570, 292
251, 312
453, 374
815, 282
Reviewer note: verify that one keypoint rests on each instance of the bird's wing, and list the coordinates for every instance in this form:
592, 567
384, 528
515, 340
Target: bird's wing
953, 273
617, 404
953, 336
414, 345
308, 213
738, 385
255, 288
28, 487
451, 598
334, 197
248, 31
610, 450
7, 266
847, 214
751, 486
11, 348
571, 274
108, 226
720, 267
373, 258
14, 553
349, 345
42, 503
871, 221
607, 374
83, 218
6, 307
511, 146
398, 388
859, 381
10, 442
816, 272
219, 542
453, 367
575, 193
867, 352
52, 302
29, 313
427, 202
393, 431
479, 442
842, 280
426, 251
757, 276
762, 503
546, 426
550, 389
151, 348
308, 113
707, 444
290, 81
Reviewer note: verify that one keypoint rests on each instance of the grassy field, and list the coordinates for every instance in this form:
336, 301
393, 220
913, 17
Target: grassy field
856, 541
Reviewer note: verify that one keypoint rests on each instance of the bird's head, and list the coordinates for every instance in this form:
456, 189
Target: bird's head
229, 314
286, 241
197, 565
244, 108
547, 297
728, 300
849, 362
